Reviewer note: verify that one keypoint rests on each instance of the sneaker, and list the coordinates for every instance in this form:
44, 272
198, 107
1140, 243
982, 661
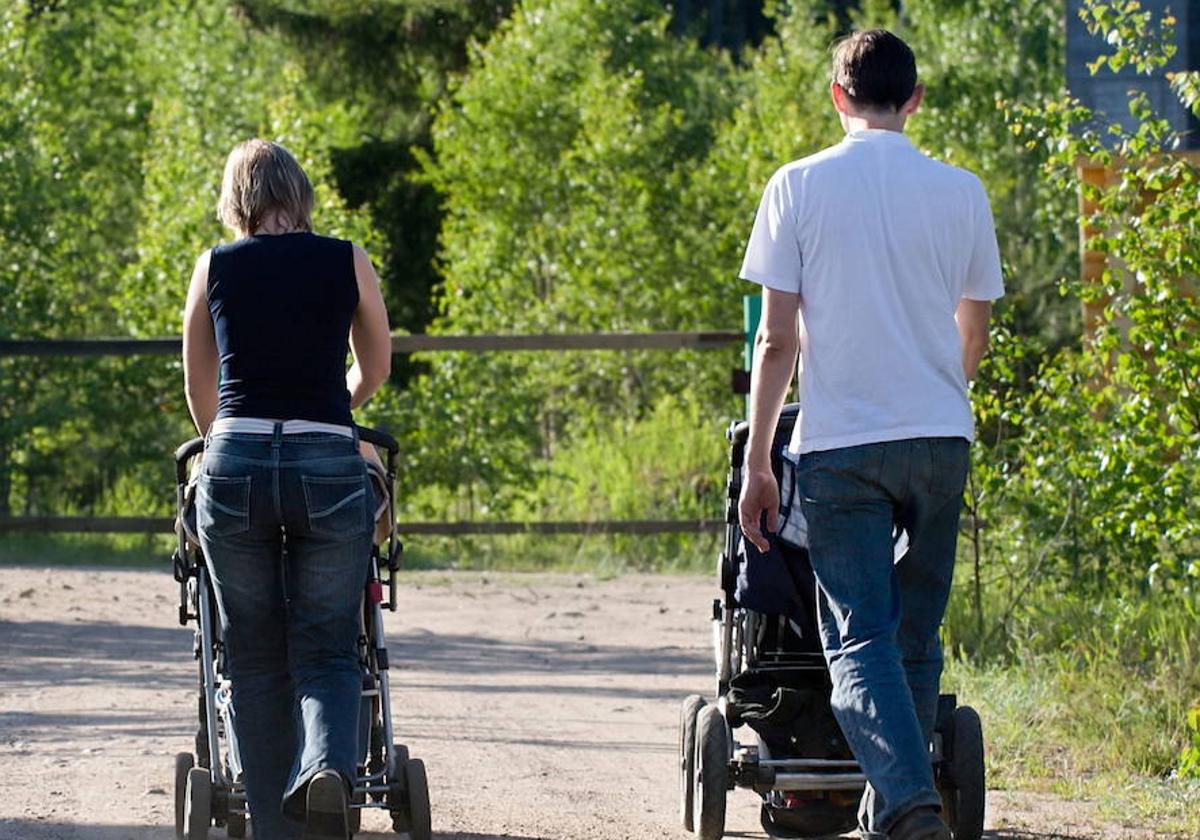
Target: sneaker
327, 816
924, 823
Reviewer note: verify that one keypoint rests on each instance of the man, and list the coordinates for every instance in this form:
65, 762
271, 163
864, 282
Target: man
878, 265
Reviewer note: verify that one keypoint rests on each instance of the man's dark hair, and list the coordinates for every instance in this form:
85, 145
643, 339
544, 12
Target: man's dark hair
875, 69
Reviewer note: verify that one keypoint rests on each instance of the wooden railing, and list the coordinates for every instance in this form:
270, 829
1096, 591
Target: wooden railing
401, 344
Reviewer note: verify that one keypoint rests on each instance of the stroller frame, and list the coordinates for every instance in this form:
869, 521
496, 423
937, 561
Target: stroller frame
207, 791
712, 762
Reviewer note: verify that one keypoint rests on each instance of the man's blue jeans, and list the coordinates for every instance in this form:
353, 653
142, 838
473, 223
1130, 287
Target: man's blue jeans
290, 621
879, 618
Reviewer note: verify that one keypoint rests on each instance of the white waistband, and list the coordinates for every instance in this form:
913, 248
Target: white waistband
259, 426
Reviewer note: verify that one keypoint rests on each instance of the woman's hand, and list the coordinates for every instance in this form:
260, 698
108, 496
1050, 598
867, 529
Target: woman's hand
370, 453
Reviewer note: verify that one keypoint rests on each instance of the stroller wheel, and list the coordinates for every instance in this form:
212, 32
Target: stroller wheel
197, 806
397, 795
687, 758
401, 758
354, 815
184, 762
419, 818
712, 773
969, 777
235, 826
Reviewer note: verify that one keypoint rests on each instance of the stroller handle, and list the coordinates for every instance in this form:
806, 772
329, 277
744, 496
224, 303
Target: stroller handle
375, 437
184, 454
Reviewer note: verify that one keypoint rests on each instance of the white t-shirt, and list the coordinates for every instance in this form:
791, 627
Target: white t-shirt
881, 243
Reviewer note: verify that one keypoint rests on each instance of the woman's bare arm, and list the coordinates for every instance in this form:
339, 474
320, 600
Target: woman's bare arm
370, 336
200, 361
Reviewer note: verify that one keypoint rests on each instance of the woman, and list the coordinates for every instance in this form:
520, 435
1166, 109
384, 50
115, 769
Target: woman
267, 325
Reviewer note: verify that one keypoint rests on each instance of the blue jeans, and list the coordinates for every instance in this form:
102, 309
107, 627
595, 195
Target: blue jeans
285, 525
879, 618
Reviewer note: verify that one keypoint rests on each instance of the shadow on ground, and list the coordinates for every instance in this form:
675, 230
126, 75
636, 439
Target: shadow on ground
92, 653
1021, 834
45, 830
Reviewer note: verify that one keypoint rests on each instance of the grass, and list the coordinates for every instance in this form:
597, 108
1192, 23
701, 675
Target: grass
1086, 697
1166, 804
125, 550
602, 556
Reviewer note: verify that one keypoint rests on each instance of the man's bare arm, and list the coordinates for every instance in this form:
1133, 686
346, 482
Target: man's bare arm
972, 317
775, 349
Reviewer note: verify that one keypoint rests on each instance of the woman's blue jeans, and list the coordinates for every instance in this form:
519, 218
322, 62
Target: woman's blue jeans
880, 618
285, 524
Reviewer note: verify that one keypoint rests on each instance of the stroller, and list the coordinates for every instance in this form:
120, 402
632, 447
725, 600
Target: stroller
772, 677
208, 789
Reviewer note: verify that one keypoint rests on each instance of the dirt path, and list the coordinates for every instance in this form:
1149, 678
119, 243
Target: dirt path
545, 707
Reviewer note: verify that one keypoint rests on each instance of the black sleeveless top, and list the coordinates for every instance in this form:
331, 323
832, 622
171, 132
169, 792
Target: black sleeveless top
281, 307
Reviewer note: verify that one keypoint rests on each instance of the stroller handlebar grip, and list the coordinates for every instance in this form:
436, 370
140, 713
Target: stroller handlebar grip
184, 454
376, 437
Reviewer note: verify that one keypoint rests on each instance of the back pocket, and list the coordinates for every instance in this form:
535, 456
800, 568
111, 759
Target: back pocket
222, 505
337, 506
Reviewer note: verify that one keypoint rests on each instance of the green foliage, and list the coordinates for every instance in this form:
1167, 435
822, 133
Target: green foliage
114, 148
1086, 470
626, 472
391, 62
600, 175
1189, 763
1094, 687
783, 113
1100, 474
71, 128
562, 158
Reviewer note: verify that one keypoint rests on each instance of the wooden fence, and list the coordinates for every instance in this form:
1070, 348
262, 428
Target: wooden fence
401, 344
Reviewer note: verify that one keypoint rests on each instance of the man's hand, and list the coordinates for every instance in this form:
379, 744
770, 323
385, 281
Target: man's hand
760, 494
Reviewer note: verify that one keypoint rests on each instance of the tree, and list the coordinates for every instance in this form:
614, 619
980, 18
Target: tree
563, 155
389, 62
108, 193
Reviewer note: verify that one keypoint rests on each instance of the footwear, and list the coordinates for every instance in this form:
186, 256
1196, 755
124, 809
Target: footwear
327, 817
924, 823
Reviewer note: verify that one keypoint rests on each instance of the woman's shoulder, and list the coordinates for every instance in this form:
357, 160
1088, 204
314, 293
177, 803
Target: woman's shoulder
303, 245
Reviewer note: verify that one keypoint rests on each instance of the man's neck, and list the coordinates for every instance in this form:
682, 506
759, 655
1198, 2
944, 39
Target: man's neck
884, 121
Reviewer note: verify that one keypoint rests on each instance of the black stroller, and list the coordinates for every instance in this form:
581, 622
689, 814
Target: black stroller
772, 678
208, 789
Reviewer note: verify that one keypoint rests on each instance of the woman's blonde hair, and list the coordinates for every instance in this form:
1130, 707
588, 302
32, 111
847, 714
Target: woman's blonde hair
262, 180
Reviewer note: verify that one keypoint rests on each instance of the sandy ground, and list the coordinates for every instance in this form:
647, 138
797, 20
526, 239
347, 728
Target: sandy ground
545, 708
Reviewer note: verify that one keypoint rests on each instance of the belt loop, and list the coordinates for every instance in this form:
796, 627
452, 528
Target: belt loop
277, 435
354, 433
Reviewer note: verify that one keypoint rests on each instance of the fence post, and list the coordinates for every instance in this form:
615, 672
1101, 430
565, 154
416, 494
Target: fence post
751, 315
